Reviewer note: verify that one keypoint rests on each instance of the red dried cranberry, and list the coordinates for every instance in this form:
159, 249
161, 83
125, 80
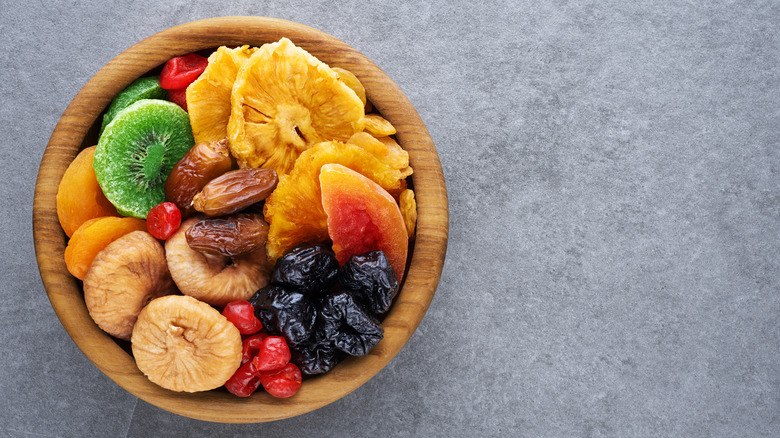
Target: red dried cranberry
163, 220
273, 355
242, 314
282, 383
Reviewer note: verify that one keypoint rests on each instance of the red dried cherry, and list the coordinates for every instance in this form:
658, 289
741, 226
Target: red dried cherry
273, 354
163, 220
251, 346
242, 315
179, 97
181, 71
283, 383
244, 381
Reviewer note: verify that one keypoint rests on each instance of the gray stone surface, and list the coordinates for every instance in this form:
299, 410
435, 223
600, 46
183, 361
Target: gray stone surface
614, 260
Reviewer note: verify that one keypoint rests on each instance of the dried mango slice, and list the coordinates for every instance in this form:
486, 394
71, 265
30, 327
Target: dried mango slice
208, 98
284, 101
294, 210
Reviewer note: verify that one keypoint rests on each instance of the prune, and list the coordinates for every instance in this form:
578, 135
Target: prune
353, 329
316, 358
285, 313
372, 280
307, 268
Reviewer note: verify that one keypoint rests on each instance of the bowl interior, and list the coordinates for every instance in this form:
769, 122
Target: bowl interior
77, 129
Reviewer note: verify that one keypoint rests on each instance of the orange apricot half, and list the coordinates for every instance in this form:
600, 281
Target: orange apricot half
79, 197
92, 237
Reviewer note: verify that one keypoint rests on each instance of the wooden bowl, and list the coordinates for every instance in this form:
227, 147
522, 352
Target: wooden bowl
77, 129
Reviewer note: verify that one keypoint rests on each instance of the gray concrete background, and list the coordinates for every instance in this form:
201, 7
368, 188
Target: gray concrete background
613, 265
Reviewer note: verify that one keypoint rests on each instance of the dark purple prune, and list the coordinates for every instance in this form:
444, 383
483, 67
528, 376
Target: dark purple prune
316, 358
352, 329
307, 268
372, 280
285, 313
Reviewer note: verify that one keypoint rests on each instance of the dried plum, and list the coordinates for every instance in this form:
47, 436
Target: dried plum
353, 329
372, 280
307, 268
285, 313
316, 358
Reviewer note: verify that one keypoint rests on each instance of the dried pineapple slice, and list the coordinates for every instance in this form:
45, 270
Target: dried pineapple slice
408, 206
294, 210
377, 125
284, 101
352, 82
208, 98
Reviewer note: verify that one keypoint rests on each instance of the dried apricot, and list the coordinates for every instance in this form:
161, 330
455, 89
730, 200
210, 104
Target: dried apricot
79, 197
92, 237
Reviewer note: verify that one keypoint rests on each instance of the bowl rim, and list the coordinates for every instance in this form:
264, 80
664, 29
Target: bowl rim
81, 116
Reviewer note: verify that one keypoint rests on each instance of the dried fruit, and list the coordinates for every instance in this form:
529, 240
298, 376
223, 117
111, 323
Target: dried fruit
230, 236
141, 88
371, 279
251, 346
316, 357
284, 101
408, 206
208, 98
179, 97
285, 313
202, 163
234, 191
362, 217
163, 220
92, 237
245, 381
294, 210
217, 280
307, 268
272, 355
352, 82
183, 344
353, 329
125, 276
181, 71
137, 151
79, 197
282, 383
377, 125
242, 315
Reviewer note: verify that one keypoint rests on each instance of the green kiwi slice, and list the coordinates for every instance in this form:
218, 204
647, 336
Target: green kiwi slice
137, 151
141, 88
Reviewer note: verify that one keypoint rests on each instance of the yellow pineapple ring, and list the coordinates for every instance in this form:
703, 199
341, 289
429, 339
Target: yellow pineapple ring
284, 101
208, 98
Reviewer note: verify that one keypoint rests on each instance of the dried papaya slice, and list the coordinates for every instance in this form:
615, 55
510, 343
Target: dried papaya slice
284, 101
294, 210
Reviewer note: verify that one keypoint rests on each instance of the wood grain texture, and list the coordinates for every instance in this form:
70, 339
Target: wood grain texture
77, 129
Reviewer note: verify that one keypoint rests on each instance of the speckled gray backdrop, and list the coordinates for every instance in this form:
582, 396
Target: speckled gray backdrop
613, 265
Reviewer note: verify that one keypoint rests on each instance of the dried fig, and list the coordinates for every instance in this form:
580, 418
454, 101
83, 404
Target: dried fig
185, 345
215, 279
122, 278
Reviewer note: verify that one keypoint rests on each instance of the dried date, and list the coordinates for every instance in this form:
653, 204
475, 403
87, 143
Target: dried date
235, 191
202, 163
230, 236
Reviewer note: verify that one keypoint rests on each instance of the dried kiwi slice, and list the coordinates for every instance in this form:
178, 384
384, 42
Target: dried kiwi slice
137, 151
141, 88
